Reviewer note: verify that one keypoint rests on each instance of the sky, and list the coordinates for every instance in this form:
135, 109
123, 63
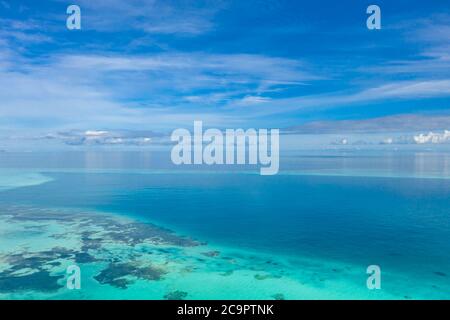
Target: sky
139, 69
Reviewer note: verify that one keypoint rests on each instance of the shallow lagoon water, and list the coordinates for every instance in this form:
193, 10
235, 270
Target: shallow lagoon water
11, 179
295, 235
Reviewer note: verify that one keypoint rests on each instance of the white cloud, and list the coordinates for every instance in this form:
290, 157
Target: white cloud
405, 89
150, 16
95, 133
434, 138
82, 91
249, 100
198, 68
19, 33
399, 90
435, 29
431, 36
102, 137
394, 123
341, 142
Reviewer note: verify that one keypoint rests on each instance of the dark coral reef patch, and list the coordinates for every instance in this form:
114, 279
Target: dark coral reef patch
176, 295
121, 275
97, 235
28, 271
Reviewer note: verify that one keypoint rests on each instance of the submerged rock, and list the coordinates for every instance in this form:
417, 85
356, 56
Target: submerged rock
266, 276
37, 281
124, 231
118, 274
84, 257
278, 296
211, 253
176, 295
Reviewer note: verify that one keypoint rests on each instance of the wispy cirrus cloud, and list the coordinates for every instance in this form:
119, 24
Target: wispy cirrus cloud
394, 91
69, 89
434, 29
432, 36
395, 123
150, 16
243, 67
21, 33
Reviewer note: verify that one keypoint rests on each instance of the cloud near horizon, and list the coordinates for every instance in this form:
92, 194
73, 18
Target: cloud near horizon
396, 123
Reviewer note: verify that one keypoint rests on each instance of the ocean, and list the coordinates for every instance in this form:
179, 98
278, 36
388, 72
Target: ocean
309, 232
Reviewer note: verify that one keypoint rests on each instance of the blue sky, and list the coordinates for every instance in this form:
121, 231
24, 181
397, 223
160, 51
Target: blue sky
143, 67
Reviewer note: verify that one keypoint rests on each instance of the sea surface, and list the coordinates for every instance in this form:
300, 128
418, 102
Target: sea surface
139, 228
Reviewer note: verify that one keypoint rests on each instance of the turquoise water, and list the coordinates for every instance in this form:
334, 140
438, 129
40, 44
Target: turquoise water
323, 224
